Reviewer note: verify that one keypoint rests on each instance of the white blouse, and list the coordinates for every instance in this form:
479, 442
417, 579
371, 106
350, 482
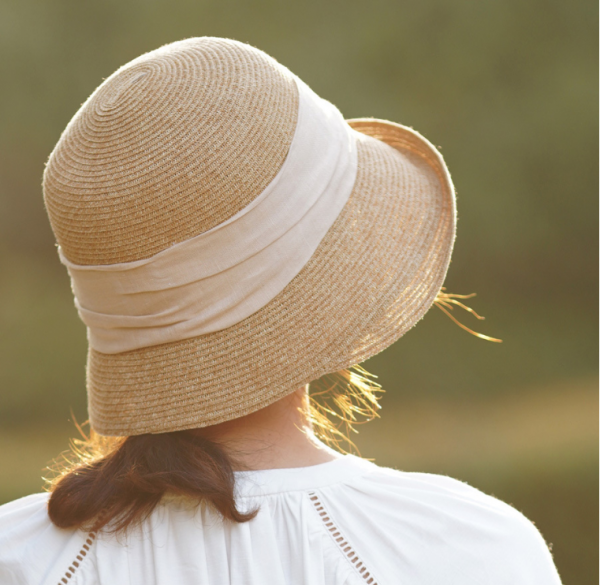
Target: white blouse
346, 522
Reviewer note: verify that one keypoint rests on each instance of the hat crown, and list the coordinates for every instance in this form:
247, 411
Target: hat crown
172, 144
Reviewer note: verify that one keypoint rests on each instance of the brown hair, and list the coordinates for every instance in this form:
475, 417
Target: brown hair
120, 480
123, 479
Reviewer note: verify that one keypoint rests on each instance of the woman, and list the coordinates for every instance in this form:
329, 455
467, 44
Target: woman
230, 239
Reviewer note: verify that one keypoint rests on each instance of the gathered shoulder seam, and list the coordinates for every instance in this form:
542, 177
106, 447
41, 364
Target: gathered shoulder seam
79, 558
340, 540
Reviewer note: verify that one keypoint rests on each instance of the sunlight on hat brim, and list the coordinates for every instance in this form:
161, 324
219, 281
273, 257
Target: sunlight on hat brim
374, 275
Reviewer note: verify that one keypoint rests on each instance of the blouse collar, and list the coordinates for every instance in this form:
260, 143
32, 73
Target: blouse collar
272, 481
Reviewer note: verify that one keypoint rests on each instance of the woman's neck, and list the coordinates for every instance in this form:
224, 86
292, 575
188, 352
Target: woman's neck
277, 436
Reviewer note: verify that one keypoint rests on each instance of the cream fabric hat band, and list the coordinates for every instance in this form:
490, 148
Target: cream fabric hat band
222, 276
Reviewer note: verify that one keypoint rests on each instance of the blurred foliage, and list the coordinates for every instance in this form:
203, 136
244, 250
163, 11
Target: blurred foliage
508, 90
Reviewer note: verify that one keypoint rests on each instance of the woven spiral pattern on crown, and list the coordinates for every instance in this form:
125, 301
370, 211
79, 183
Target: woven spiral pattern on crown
170, 145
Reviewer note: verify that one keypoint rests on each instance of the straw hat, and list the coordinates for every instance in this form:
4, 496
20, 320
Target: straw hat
179, 141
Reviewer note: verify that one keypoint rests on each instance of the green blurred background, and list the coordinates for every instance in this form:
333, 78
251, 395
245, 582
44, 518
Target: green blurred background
507, 90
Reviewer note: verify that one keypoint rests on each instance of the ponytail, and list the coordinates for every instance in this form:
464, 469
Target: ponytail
123, 479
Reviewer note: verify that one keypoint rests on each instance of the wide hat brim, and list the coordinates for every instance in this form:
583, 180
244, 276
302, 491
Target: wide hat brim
374, 275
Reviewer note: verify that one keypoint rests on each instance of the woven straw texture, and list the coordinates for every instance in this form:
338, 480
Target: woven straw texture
178, 141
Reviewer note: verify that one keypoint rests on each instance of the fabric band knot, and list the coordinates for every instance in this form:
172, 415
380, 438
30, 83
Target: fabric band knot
224, 275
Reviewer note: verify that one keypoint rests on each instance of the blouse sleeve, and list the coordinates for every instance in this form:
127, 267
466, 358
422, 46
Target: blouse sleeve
32, 550
432, 529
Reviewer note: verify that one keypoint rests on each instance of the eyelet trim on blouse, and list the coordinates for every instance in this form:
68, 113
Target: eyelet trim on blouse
79, 558
341, 541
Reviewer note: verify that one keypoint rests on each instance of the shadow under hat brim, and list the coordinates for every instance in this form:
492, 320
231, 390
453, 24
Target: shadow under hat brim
374, 275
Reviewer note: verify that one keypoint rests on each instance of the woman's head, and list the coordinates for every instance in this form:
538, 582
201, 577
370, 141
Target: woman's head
196, 314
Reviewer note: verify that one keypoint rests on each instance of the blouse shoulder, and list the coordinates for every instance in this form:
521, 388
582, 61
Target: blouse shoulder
348, 518
32, 549
437, 529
